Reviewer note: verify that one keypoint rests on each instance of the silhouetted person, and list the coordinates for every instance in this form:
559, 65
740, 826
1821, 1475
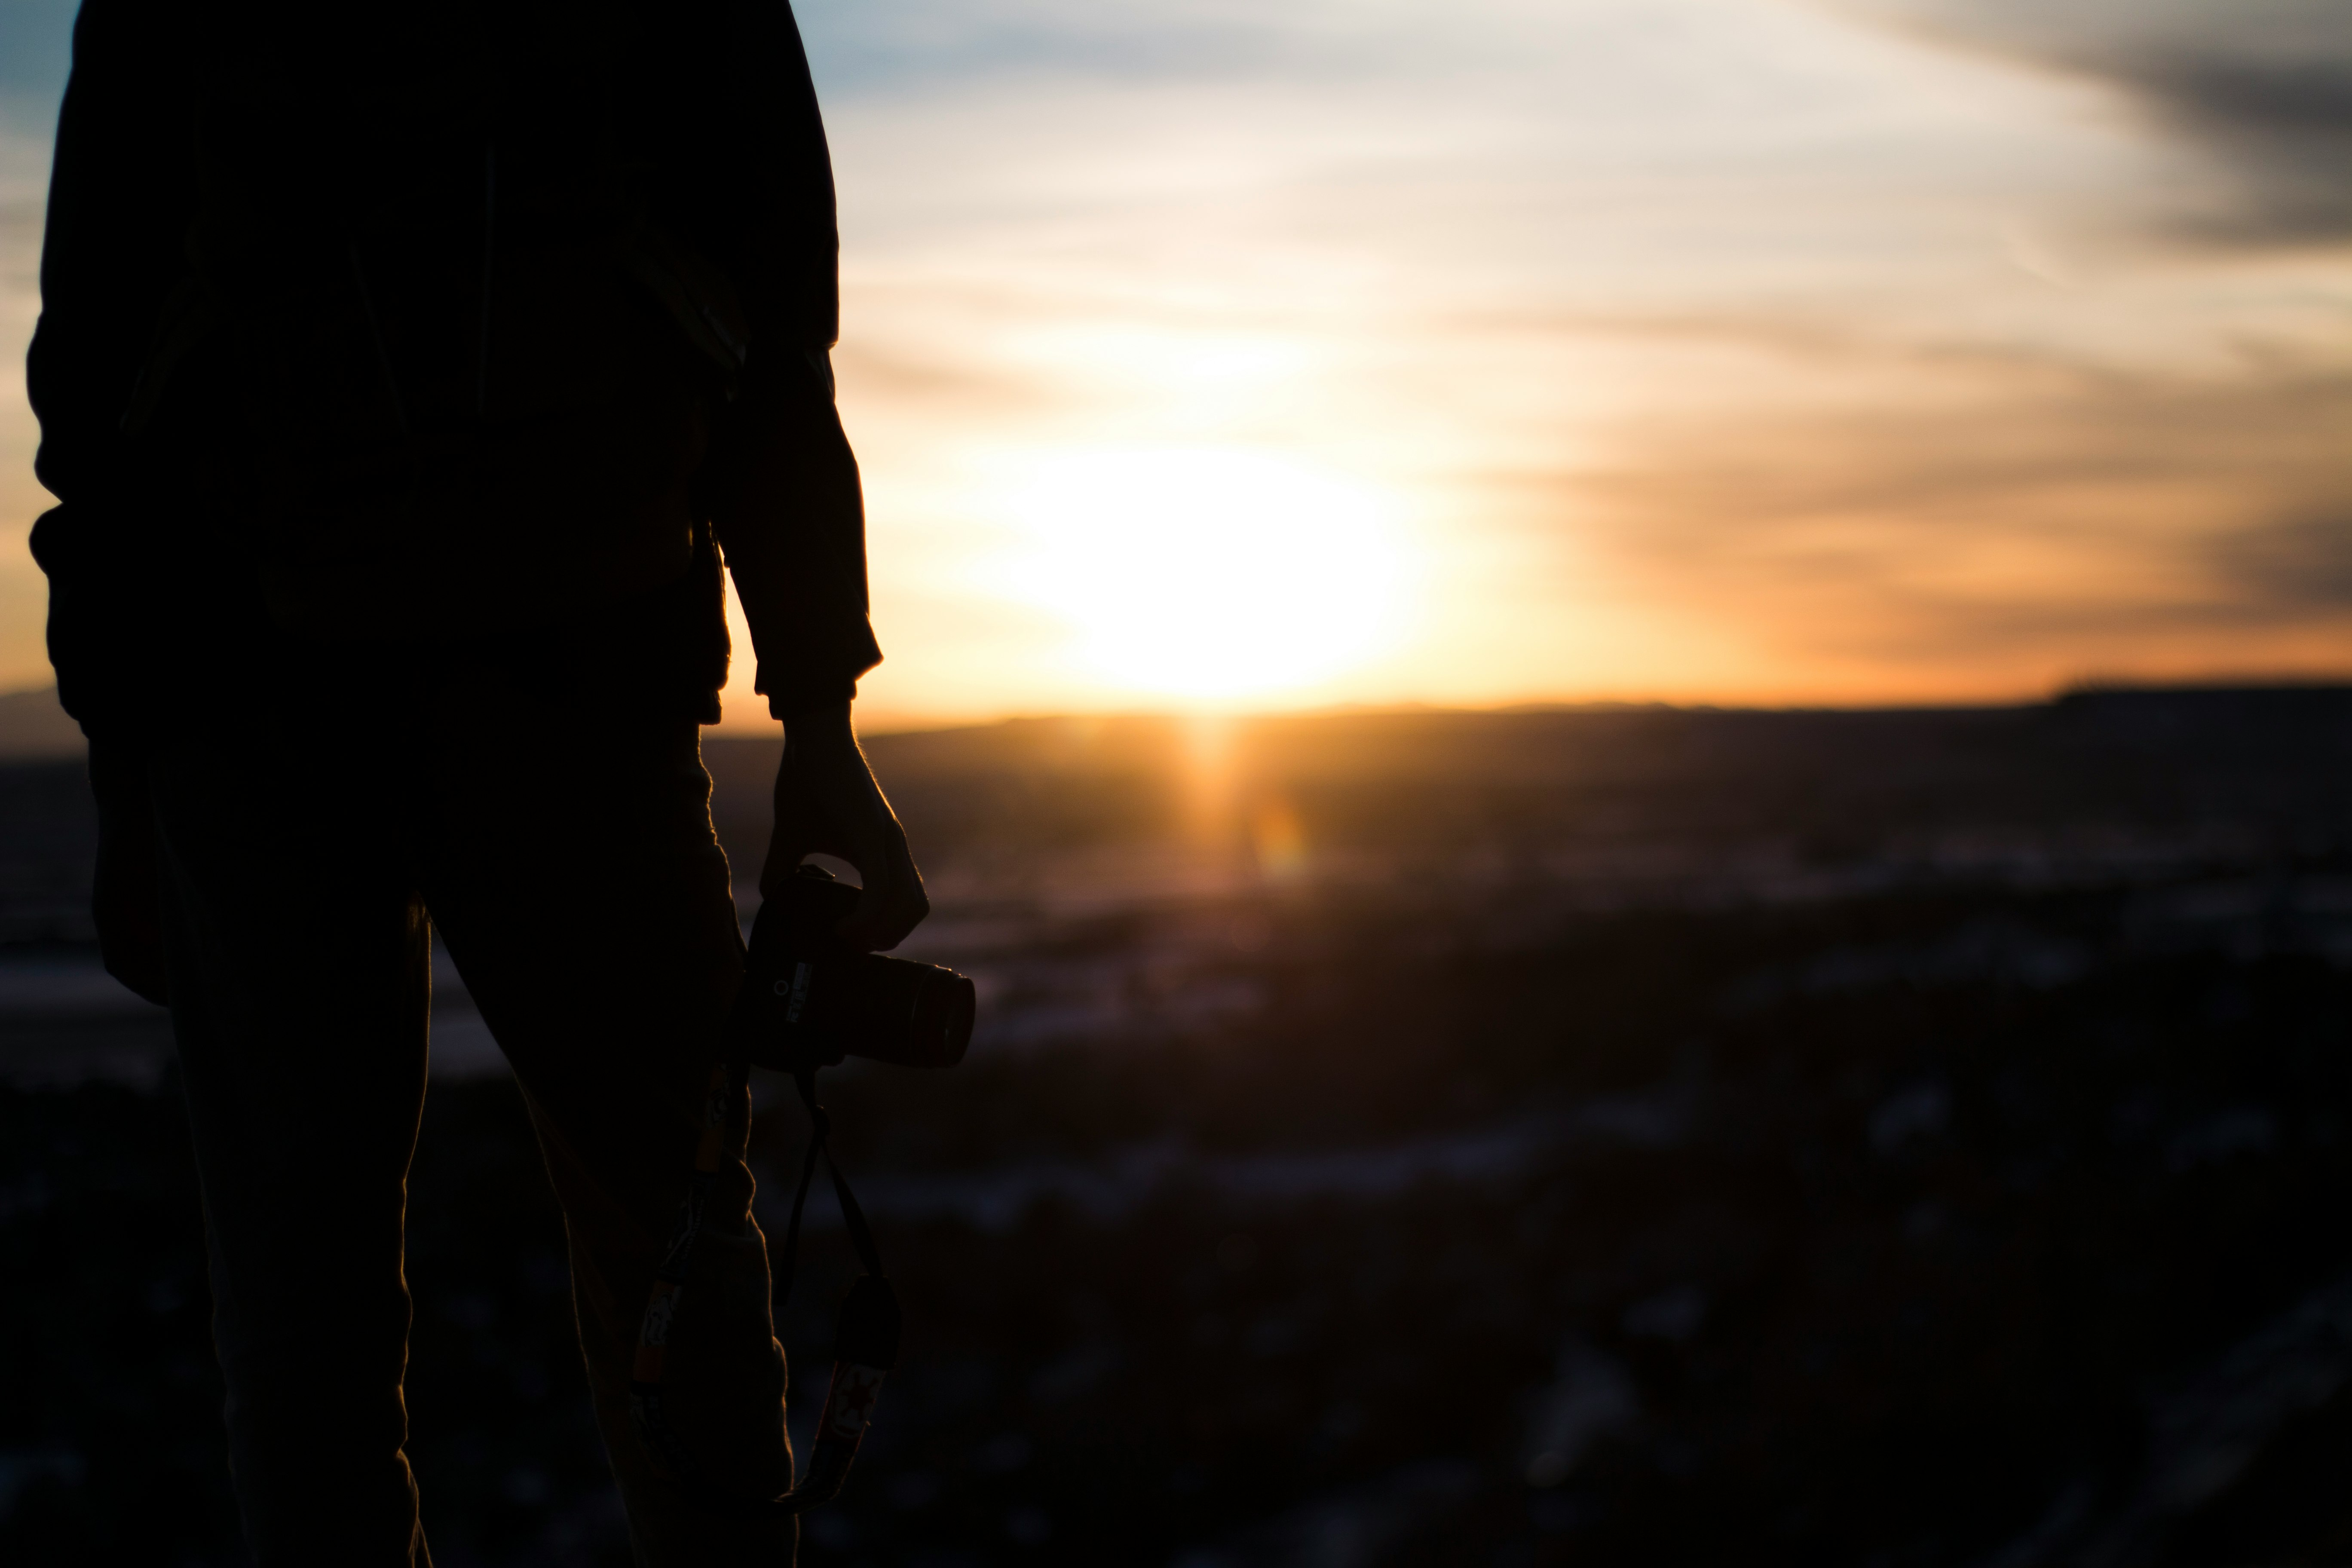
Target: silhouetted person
403, 371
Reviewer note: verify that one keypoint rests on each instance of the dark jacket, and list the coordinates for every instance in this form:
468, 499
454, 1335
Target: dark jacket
400, 321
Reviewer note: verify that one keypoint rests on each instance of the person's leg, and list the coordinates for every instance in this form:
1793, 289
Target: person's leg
299, 971
571, 871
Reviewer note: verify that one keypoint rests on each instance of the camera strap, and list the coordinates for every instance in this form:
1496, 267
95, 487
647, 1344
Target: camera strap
866, 1335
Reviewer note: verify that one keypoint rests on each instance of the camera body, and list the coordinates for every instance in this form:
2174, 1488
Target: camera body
809, 998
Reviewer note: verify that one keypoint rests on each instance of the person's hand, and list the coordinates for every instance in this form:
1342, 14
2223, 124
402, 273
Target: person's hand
126, 901
828, 804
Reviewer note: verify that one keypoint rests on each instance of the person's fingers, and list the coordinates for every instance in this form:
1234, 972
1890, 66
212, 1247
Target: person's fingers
885, 917
828, 803
788, 845
803, 826
793, 840
775, 870
893, 902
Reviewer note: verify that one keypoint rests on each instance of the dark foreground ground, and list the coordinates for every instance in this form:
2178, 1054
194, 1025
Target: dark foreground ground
1930, 1147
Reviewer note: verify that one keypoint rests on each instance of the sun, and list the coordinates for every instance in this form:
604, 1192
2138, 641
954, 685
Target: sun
1209, 573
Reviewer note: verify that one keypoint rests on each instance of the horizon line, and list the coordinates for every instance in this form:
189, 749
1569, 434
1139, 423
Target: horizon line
887, 723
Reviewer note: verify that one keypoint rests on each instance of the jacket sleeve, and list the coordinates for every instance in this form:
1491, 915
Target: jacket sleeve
751, 186
788, 511
110, 254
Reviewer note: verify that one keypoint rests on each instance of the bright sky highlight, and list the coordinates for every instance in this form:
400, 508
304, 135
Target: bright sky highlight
1738, 351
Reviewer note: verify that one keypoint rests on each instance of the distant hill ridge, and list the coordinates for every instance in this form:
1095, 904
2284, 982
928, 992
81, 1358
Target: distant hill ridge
2271, 764
2244, 775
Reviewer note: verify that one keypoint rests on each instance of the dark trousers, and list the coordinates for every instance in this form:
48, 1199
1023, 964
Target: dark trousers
564, 849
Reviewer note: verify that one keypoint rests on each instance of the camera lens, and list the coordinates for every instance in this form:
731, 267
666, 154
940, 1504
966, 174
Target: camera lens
944, 1008
912, 1014
809, 998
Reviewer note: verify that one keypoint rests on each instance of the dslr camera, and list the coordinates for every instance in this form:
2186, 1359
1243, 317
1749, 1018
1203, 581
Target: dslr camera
809, 998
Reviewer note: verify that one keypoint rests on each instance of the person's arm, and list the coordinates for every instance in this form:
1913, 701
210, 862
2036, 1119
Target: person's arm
783, 492
749, 186
781, 484
789, 517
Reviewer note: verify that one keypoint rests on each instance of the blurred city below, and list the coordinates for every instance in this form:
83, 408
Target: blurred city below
1202, 840
1596, 1136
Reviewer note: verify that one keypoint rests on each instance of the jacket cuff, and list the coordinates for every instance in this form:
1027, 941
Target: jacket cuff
819, 669
793, 702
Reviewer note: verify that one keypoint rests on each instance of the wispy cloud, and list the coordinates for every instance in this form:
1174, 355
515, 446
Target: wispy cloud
2262, 86
1707, 348
1723, 348
2022, 520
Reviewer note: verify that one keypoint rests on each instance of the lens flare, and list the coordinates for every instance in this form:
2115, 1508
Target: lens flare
1279, 842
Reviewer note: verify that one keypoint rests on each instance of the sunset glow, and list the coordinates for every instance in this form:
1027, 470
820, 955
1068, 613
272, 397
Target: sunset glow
1698, 351
1206, 572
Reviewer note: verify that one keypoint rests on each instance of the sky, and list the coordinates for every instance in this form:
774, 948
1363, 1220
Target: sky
1202, 353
